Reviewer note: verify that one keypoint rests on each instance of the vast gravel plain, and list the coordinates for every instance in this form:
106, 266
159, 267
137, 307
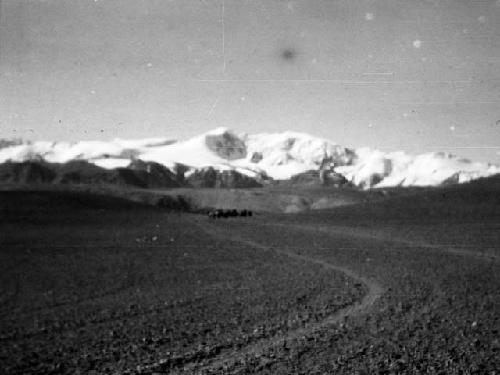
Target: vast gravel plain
407, 285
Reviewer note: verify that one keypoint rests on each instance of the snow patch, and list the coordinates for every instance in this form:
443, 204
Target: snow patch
276, 155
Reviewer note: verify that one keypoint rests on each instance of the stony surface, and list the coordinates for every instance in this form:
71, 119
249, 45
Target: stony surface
89, 285
118, 288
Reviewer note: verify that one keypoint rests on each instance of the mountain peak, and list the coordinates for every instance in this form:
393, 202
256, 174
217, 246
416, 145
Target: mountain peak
279, 156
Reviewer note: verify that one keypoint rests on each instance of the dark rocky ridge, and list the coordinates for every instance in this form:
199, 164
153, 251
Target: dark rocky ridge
211, 178
139, 174
28, 172
157, 175
325, 178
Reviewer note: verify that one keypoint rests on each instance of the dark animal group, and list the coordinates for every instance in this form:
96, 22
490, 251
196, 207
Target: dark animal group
220, 213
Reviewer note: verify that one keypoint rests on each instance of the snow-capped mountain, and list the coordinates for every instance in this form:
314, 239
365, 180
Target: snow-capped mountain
279, 156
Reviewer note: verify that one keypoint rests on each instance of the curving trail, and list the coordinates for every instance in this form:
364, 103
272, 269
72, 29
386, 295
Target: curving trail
229, 358
373, 291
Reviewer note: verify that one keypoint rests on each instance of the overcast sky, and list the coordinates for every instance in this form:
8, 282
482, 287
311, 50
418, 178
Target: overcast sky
392, 74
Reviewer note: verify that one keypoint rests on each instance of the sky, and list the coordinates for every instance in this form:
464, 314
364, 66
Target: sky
413, 75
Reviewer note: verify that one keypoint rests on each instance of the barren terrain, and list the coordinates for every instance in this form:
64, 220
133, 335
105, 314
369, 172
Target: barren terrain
407, 284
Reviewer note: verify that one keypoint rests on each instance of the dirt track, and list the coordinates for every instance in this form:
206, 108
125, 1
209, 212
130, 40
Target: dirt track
236, 360
270, 294
373, 291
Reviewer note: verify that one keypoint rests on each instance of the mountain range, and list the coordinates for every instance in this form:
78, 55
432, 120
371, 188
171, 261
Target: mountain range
222, 158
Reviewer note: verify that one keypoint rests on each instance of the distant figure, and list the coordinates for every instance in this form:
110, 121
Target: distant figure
225, 213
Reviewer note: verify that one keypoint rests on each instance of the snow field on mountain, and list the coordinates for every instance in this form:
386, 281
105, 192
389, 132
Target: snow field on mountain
279, 156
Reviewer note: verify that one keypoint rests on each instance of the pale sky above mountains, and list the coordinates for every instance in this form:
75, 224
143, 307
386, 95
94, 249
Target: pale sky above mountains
392, 74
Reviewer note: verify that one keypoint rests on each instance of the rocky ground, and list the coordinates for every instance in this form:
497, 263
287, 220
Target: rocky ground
89, 285
398, 288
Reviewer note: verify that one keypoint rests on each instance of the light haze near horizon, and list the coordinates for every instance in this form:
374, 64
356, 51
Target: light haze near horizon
395, 75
